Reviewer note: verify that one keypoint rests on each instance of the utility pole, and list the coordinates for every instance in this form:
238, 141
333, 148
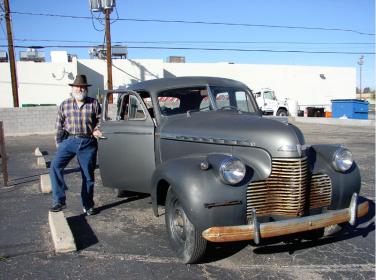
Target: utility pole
108, 53
12, 60
106, 7
360, 63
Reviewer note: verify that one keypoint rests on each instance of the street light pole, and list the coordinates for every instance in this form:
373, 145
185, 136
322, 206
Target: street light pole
360, 63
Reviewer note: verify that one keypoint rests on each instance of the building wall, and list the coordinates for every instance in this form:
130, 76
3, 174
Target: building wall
124, 71
301, 83
47, 83
26, 121
38, 83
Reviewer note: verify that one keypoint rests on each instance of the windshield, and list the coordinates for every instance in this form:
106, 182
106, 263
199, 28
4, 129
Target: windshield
227, 98
269, 95
182, 100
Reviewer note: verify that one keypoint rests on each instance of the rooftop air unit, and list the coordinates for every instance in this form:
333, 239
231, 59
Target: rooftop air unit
97, 53
32, 55
176, 59
3, 56
119, 51
71, 57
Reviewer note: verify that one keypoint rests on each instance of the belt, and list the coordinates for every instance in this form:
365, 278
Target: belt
80, 136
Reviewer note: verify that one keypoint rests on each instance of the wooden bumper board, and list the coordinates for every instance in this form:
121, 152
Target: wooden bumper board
272, 229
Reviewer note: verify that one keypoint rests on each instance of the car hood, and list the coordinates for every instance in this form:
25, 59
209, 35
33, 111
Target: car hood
236, 129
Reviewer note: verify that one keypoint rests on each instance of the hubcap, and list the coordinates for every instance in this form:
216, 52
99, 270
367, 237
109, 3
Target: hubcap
178, 224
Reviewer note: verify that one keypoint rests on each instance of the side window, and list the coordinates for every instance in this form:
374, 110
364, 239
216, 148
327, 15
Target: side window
146, 99
222, 99
110, 110
135, 110
205, 102
169, 105
123, 107
242, 101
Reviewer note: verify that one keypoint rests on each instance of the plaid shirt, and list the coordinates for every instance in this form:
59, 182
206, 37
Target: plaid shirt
72, 119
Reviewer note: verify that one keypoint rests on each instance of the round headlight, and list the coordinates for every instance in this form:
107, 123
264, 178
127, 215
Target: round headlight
232, 171
342, 160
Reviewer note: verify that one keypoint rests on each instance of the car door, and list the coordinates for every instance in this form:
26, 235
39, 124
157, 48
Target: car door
126, 150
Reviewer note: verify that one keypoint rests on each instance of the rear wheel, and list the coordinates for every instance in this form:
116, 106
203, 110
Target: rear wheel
282, 113
185, 239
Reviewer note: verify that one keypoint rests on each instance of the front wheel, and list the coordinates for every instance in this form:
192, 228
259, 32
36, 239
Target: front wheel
185, 239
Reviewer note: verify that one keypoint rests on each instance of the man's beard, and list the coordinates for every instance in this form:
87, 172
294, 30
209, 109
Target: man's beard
80, 96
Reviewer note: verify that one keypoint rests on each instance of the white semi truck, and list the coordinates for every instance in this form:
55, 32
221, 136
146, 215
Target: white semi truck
270, 105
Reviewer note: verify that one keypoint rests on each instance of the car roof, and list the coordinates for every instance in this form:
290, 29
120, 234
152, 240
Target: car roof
157, 85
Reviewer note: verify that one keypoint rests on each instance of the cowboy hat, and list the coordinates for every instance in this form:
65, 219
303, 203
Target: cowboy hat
80, 81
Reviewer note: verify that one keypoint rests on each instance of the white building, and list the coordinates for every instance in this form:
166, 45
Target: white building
47, 83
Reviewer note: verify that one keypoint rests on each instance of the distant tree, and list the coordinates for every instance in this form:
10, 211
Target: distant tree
366, 90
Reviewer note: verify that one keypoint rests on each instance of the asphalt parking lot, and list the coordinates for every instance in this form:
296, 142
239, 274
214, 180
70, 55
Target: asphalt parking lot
125, 240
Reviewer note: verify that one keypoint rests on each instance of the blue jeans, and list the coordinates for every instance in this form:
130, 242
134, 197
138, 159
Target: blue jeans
86, 151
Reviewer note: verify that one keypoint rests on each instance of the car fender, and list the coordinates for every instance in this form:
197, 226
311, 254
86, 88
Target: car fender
206, 200
344, 184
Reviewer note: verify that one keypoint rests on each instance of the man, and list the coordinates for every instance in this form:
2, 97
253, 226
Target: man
77, 129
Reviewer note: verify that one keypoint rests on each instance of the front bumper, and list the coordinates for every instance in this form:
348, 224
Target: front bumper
256, 231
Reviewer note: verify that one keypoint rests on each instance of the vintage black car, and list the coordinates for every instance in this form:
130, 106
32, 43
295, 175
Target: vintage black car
223, 172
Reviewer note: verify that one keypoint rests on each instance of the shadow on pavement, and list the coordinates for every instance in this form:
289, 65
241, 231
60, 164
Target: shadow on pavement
82, 232
219, 251
133, 197
36, 177
25, 179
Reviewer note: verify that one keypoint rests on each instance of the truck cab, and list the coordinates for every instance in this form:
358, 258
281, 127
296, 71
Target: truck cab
269, 104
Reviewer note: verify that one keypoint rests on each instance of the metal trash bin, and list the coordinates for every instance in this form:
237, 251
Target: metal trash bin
315, 112
350, 108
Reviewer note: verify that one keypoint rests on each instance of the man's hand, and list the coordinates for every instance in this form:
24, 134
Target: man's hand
97, 134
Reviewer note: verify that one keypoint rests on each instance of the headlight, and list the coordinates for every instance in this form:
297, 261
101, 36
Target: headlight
232, 171
342, 160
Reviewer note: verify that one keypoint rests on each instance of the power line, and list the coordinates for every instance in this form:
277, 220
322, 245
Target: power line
208, 49
205, 23
125, 72
198, 42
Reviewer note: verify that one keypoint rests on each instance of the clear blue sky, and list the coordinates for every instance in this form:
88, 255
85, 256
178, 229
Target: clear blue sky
340, 14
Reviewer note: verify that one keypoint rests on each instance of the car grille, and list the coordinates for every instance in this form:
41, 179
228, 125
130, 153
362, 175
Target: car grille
288, 190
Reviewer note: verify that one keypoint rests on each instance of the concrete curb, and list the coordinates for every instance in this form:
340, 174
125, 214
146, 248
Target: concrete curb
41, 162
45, 183
332, 121
62, 236
37, 152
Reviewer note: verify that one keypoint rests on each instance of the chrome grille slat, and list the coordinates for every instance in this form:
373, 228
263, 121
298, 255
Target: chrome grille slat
285, 192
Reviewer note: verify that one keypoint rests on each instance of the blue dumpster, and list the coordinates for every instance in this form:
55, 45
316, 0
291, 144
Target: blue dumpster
350, 108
